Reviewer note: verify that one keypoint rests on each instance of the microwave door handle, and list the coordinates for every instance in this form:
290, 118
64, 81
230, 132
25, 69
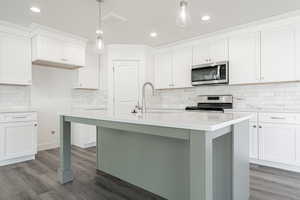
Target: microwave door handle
218, 75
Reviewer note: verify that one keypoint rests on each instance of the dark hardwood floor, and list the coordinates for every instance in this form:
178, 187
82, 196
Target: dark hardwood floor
36, 180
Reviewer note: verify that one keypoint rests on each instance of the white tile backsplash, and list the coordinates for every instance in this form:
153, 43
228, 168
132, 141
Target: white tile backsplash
14, 96
277, 97
89, 98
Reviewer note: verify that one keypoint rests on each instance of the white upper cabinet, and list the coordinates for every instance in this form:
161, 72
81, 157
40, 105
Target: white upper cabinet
244, 58
173, 67
15, 59
74, 54
219, 50
208, 51
163, 70
57, 49
88, 77
278, 54
201, 53
182, 63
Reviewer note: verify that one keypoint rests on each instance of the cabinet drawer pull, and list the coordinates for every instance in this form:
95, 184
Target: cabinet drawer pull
35, 125
19, 117
260, 126
277, 117
254, 126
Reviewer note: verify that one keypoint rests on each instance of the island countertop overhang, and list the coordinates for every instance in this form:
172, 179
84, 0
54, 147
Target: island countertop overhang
199, 121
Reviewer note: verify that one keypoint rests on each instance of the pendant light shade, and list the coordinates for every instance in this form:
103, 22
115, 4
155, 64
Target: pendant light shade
99, 42
183, 16
99, 31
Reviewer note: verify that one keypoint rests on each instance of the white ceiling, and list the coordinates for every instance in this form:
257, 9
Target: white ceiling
143, 16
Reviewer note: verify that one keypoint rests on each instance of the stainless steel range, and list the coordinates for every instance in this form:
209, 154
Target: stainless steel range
212, 103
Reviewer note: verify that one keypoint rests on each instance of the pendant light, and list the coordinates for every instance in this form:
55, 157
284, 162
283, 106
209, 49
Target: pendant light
99, 32
183, 16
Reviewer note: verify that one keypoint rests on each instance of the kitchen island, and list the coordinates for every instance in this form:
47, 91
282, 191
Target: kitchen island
179, 156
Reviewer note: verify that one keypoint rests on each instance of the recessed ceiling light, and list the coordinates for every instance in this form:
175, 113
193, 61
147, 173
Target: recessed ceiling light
153, 34
35, 9
205, 18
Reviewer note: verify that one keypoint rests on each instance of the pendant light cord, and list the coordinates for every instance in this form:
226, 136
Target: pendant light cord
100, 16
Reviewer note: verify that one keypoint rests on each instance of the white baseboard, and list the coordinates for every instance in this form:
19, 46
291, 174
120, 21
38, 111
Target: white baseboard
87, 145
16, 160
46, 146
292, 168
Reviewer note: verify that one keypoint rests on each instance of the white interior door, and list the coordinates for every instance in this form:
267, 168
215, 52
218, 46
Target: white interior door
126, 86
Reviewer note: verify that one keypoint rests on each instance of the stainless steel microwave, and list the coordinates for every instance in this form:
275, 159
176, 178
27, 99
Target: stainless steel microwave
210, 73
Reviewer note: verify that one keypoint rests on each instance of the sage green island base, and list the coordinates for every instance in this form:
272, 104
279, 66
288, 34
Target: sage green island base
173, 162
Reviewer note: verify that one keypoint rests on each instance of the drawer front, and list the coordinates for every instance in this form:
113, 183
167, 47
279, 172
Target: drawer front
283, 118
18, 117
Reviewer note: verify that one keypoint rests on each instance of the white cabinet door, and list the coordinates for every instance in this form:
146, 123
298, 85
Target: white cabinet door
49, 49
163, 71
297, 51
15, 59
277, 143
219, 50
2, 144
59, 52
253, 139
201, 53
278, 54
298, 146
210, 51
74, 54
20, 139
88, 76
182, 62
244, 58
83, 135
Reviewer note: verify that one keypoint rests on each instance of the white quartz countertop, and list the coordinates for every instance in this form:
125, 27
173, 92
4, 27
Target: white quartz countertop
184, 120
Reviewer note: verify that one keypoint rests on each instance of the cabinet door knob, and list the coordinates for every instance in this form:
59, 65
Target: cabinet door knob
35, 125
254, 126
260, 126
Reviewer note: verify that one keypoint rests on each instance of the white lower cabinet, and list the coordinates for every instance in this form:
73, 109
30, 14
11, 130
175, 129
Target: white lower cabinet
277, 143
18, 137
298, 146
83, 136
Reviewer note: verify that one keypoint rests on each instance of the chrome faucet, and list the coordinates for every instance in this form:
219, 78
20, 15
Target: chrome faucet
144, 108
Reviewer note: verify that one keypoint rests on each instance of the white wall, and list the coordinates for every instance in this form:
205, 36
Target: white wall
50, 94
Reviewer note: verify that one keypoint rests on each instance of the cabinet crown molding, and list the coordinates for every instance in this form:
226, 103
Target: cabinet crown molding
37, 29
